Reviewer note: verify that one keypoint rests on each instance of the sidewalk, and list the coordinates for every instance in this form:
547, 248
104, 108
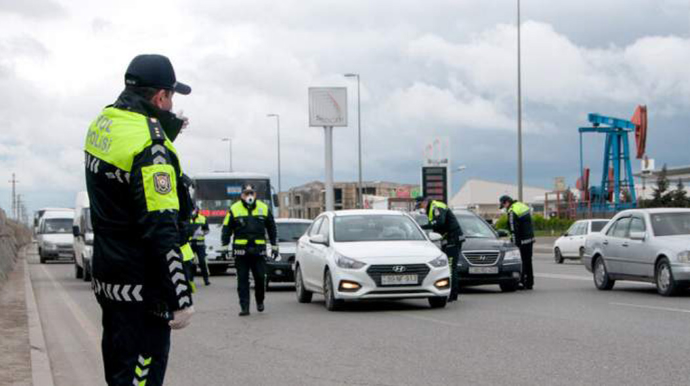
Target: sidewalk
15, 355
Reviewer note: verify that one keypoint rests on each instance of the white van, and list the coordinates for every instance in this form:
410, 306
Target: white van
83, 237
55, 235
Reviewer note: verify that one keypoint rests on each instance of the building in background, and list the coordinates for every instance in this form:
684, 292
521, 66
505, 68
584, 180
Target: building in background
482, 196
308, 200
646, 181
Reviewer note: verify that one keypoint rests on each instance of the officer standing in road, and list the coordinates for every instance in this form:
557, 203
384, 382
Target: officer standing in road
199, 230
248, 221
132, 171
443, 221
522, 235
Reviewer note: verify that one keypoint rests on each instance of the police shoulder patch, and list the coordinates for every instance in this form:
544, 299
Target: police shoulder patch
161, 182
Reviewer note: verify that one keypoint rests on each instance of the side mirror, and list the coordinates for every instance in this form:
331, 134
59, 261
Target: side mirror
75, 231
318, 239
502, 233
434, 237
276, 201
639, 236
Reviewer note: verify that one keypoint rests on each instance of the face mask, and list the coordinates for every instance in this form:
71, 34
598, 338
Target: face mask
249, 200
172, 125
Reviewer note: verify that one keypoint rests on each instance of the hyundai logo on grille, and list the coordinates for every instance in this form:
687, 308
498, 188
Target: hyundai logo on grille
482, 257
399, 268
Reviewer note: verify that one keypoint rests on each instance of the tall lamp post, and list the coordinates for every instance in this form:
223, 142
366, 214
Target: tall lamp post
519, 107
277, 116
229, 141
359, 140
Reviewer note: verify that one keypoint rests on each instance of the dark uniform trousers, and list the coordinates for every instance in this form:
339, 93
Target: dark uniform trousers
200, 252
527, 273
135, 345
452, 250
257, 265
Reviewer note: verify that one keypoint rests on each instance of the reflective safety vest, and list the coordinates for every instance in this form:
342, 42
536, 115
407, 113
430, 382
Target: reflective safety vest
199, 223
251, 225
519, 209
435, 205
520, 223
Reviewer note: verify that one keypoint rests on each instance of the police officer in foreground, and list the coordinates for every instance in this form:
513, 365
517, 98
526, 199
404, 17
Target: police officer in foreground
443, 221
522, 235
199, 230
248, 222
132, 171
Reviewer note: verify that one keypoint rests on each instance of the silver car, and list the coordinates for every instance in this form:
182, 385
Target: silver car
650, 245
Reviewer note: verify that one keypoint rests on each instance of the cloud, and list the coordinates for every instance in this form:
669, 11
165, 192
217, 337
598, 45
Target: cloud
33, 9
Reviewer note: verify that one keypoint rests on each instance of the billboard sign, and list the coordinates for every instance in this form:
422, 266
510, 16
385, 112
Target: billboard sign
327, 106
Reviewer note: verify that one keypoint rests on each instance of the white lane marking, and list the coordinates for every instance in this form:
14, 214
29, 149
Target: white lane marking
86, 324
651, 307
562, 276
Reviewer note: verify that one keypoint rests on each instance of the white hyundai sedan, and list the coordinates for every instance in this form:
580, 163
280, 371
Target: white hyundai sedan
369, 254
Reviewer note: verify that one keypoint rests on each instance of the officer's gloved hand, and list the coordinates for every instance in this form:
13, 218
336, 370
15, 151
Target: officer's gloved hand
274, 252
182, 318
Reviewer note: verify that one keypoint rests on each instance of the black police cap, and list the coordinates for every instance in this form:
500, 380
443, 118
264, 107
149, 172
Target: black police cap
504, 199
247, 187
154, 71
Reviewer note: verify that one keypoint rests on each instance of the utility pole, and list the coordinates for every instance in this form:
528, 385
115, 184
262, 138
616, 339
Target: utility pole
14, 182
519, 106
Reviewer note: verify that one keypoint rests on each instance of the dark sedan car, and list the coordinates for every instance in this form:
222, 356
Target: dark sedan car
485, 258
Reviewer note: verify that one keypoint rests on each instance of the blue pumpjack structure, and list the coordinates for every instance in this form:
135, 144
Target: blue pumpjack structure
607, 196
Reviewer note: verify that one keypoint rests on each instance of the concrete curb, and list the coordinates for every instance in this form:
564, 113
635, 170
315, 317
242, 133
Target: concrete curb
41, 372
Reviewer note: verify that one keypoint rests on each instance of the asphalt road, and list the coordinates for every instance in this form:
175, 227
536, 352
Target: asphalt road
563, 332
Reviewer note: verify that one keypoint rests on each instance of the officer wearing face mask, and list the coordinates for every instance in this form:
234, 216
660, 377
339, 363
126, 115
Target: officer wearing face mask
248, 222
137, 206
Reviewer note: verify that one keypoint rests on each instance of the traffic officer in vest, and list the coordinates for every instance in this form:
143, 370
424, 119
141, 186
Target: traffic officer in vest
522, 235
248, 222
132, 171
443, 221
199, 230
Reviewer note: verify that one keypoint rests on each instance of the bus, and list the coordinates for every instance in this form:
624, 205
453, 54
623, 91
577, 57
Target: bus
213, 194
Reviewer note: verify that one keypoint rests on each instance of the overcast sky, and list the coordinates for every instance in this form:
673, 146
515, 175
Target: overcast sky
428, 69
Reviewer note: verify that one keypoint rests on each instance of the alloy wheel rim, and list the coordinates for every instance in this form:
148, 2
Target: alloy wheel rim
328, 290
600, 272
664, 277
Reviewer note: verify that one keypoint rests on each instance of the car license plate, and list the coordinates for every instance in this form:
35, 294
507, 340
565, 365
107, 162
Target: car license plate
484, 270
399, 279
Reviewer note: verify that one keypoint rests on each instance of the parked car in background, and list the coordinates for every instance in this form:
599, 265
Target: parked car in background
83, 237
572, 244
485, 258
370, 254
649, 245
289, 232
54, 237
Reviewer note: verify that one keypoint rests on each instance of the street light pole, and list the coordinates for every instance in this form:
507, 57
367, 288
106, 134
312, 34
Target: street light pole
519, 106
229, 141
360, 203
278, 130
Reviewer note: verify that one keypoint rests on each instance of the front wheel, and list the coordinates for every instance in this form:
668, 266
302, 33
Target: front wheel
87, 270
78, 271
665, 284
509, 287
558, 256
303, 295
602, 280
438, 302
332, 304
41, 257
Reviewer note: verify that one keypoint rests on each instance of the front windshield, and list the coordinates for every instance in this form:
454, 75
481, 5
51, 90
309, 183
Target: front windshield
291, 231
375, 228
671, 224
474, 227
58, 225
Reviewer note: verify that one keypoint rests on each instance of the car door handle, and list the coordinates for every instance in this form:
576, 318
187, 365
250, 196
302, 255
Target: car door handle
625, 244
605, 242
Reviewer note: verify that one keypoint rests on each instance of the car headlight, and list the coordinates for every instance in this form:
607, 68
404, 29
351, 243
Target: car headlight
88, 238
684, 257
347, 263
88, 251
439, 262
512, 255
278, 258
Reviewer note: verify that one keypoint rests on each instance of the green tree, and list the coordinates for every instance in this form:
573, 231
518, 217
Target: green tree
679, 197
660, 196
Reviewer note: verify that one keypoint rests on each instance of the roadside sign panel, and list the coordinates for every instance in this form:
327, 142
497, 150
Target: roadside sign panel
327, 106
